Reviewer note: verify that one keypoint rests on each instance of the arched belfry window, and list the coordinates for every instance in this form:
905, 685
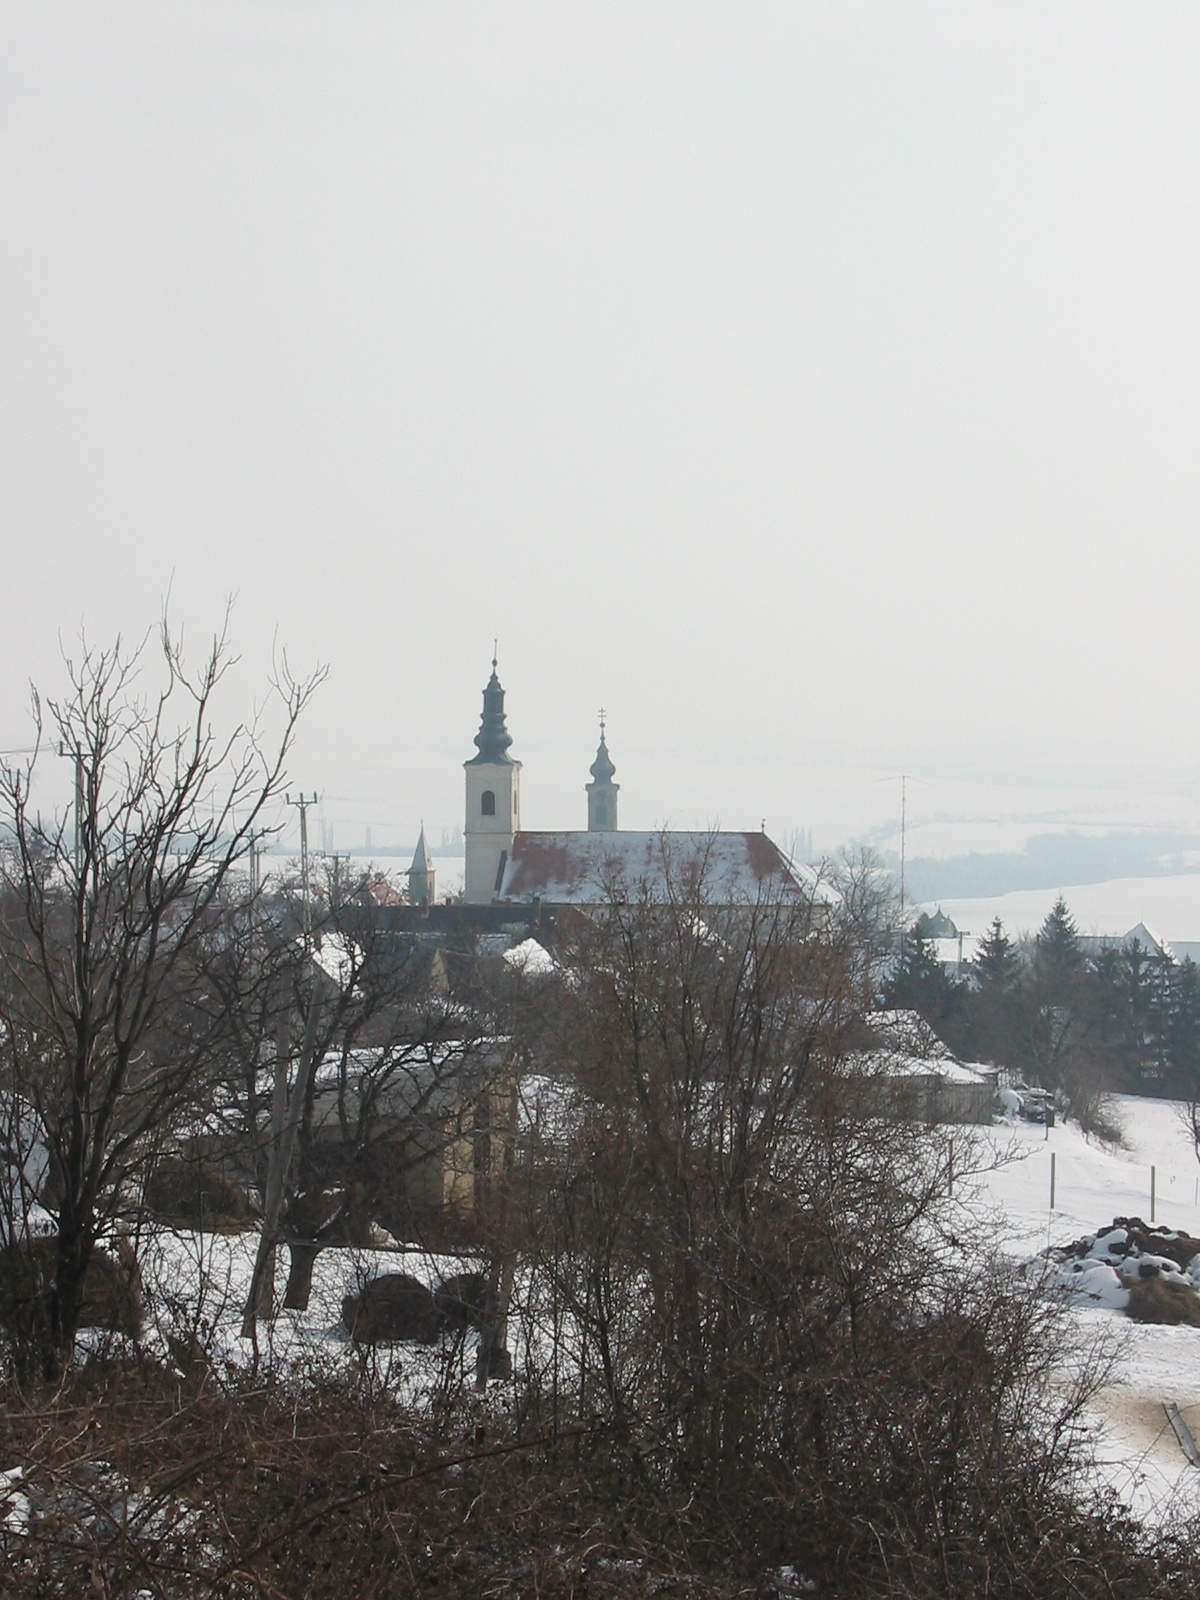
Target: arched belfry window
487, 803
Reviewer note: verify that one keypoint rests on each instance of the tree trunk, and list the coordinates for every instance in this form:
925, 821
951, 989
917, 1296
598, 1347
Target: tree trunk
300, 1274
262, 1283
65, 1302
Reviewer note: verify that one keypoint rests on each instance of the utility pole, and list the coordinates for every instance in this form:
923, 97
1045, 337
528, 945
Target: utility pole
302, 803
78, 754
255, 864
903, 825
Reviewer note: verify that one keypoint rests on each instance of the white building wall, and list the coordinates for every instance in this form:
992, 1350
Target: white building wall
488, 838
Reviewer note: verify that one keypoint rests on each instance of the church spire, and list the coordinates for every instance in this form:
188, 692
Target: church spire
493, 739
421, 876
602, 792
493, 796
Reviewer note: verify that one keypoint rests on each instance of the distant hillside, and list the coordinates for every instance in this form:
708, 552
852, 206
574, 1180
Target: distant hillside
1048, 860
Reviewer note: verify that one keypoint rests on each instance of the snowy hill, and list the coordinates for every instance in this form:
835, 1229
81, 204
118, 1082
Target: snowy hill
1094, 1184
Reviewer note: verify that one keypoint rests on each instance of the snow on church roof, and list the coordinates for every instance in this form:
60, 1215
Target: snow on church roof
580, 868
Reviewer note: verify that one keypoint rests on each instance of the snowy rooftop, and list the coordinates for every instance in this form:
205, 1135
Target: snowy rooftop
589, 868
909, 1047
908, 1032
531, 959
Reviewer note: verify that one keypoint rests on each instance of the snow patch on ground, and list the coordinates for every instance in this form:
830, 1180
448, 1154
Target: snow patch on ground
1137, 1452
196, 1286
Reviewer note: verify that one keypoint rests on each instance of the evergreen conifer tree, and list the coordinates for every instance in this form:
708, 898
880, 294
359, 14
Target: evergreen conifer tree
1057, 951
921, 983
1183, 1033
996, 966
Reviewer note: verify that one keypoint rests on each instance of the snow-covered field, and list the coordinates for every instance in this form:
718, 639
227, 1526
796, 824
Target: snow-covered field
1093, 1184
197, 1284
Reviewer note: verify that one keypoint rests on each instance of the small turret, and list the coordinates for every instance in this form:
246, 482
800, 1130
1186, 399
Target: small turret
602, 792
421, 875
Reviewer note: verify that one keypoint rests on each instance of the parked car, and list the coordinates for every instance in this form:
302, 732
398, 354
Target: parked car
1031, 1105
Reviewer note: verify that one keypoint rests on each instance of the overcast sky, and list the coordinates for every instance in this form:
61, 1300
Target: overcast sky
815, 387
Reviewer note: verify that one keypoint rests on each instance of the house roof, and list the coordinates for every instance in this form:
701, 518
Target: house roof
531, 959
580, 868
907, 1031
1152, 943
424, 1081
907, 1047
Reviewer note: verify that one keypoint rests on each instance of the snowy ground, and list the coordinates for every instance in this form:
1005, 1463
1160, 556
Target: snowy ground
197, 1284
1094, 1184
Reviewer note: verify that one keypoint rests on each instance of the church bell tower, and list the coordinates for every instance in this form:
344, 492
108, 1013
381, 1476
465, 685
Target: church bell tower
493, 800
602, 791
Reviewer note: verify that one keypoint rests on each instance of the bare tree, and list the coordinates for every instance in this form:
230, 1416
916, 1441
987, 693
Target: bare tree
110, 921
336, 1132
740, 1253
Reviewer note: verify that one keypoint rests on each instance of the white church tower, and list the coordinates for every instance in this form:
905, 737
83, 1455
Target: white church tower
493, 800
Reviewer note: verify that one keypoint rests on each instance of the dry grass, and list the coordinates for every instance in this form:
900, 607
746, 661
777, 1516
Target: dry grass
1157, 1300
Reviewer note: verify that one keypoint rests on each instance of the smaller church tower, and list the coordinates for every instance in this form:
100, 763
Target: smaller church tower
602, 793
493, 800
421, 875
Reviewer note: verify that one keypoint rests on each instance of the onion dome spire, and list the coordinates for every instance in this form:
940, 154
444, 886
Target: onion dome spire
602, 768
493, 739
602, 791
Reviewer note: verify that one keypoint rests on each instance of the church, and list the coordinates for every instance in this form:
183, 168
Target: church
510, 867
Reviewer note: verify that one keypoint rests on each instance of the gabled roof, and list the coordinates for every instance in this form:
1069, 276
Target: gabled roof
1154, 944
580, 868
531, 959
904, 1045
905, 1030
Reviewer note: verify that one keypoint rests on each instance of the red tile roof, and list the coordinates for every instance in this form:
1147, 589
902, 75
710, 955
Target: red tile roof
580, 868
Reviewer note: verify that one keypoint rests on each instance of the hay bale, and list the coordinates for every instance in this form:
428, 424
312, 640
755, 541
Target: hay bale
112, 1293
391, 1308
112, 1289
194, 1194
1158, 1299
467, 1301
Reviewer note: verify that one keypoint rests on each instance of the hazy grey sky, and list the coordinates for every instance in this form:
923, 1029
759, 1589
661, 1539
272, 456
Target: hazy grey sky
816, 387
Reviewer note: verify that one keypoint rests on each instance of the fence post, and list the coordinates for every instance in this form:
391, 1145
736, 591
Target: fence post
1052, 1180
1151, 1194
